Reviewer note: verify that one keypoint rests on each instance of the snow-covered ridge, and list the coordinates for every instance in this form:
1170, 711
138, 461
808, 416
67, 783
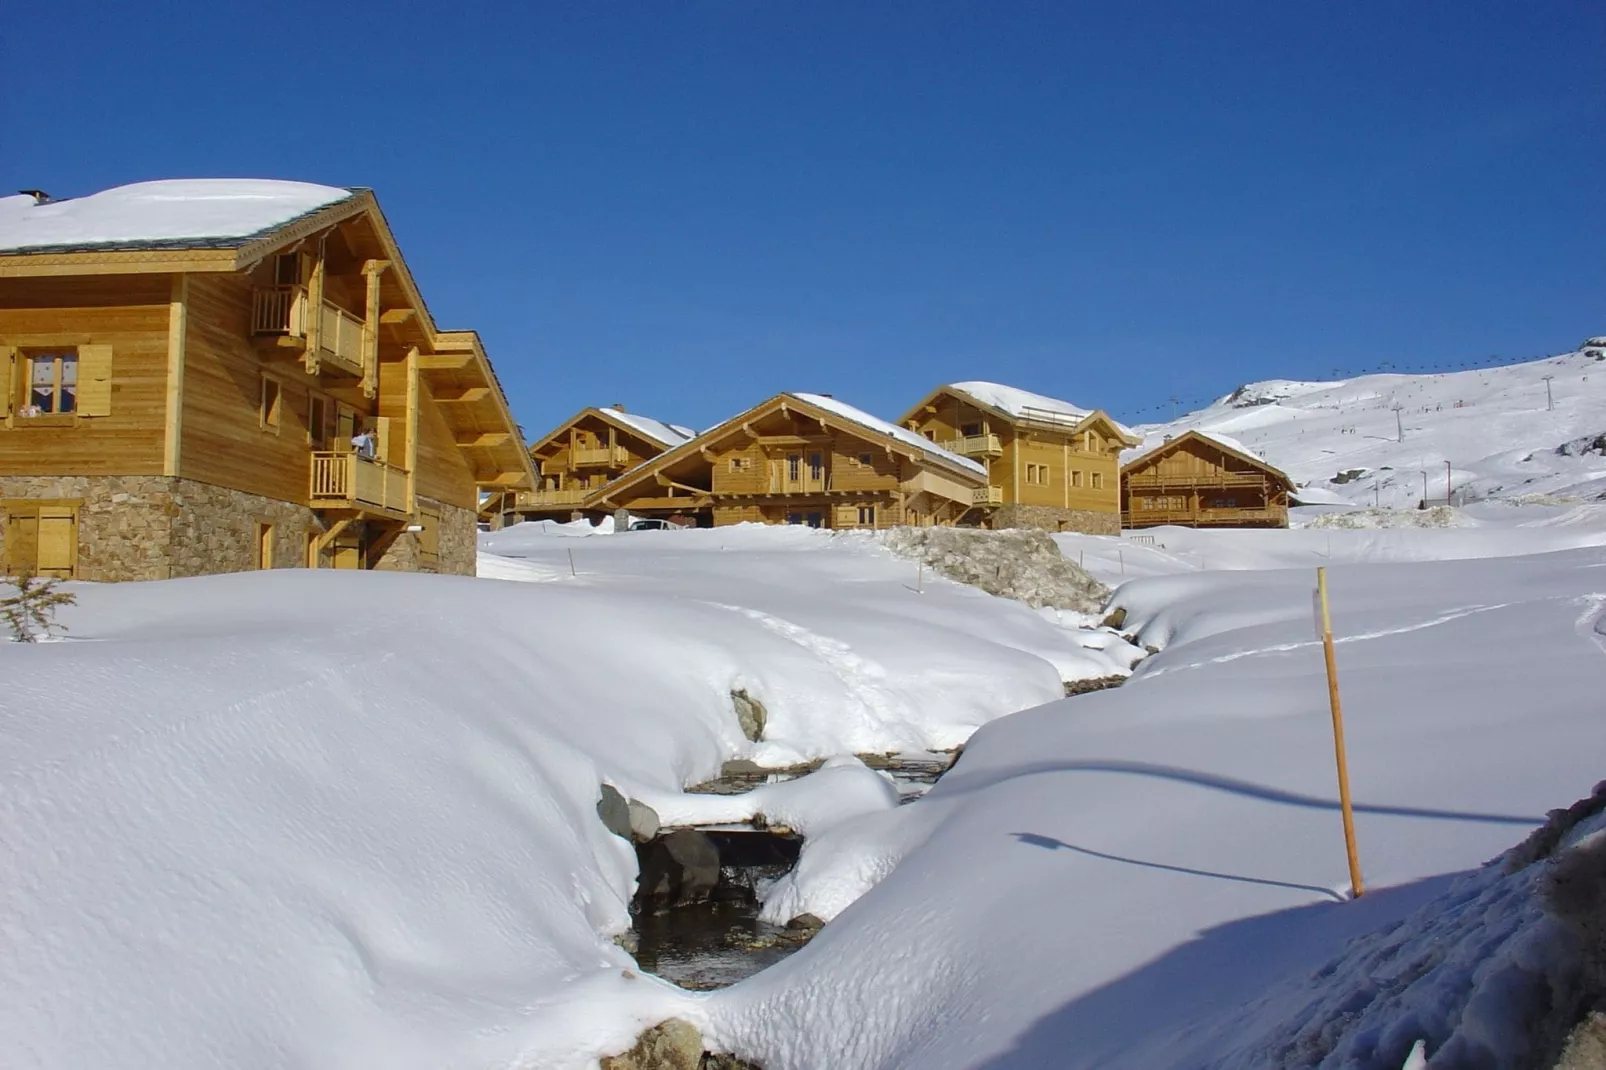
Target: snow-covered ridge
161, 212
1507, 432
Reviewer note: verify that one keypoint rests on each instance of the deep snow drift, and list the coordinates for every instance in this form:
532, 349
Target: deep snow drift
1495, 427
348, 819
1116, 880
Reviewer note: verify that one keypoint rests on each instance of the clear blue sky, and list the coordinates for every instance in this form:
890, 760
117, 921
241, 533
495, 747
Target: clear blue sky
686, 207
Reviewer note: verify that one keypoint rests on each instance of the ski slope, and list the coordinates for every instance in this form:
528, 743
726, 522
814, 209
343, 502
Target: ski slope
1385, 439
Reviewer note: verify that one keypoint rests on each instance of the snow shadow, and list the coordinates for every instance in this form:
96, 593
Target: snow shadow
1033, 839
1194, 1006
958, 781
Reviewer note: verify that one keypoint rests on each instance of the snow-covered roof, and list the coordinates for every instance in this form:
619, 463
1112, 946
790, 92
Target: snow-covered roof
1016, 401
665, 434
1225, 441
904, 435
171, 212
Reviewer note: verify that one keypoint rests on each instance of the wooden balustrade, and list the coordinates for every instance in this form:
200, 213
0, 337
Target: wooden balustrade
349, 480
974, 445
987, 496
606, 456
282, 310
536, 499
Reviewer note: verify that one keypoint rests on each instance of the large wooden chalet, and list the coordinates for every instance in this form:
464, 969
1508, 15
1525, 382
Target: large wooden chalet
581, 456
1049, 463
1197, 480
801, 459
189, 365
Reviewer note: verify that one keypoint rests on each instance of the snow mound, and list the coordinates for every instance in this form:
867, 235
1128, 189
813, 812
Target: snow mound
1440, 516
1495, 972
167, 211
1016, 563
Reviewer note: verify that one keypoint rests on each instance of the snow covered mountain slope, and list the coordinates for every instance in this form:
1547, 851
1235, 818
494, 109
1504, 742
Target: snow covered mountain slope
1384, 439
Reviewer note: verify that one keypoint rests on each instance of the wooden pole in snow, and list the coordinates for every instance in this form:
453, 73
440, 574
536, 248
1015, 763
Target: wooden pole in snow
571, 563
1326, 624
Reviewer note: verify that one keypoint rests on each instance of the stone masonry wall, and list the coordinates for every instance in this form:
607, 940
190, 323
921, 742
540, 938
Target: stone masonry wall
158, 527
1054, 518
457, 542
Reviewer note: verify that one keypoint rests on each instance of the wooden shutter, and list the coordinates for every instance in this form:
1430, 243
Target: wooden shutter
9, 357
382, 438
22, 543
429, 540
58, 540
94, 380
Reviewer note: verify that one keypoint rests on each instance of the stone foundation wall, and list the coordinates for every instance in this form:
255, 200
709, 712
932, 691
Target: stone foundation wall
457, 542
1054, 518
160, 527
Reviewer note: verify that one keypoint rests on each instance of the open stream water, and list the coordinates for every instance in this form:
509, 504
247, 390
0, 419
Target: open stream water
717, 943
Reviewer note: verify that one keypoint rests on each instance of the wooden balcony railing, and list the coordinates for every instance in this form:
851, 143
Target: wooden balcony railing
539, 499
348, 480
1220, 479
974, 446
987, 496
282, 310
1203, 517
603, 456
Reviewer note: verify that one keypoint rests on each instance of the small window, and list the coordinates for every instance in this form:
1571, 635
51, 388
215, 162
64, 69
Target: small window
1098, 481
268, 409
1076, 478
816, 466
52, 383
1037, 474
318, 421
867, 515
866, 460
970, 430
794, 467
740, 464
287, 269
931, 436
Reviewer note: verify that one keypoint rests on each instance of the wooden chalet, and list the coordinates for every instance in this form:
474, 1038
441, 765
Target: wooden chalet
800, 459
1049, 463
584, 454
189, 365
1202, 480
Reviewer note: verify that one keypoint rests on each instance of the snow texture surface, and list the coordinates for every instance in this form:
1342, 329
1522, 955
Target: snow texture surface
167, 211
670, 435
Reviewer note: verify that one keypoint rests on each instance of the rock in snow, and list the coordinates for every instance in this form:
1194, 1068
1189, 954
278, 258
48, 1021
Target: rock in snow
1014, 563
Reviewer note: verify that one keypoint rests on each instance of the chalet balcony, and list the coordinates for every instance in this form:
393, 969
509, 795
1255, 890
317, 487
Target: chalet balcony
1249, 516
987, 496
542, 499
974, 446
1160, 480
602, 457
284, 312
351, 481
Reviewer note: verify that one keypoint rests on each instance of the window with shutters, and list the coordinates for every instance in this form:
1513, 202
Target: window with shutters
52, 383
54, 386
41, 538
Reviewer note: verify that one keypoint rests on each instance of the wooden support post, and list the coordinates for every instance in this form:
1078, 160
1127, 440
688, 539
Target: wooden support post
373, 269
412, 431
177, 327
1338, 736
314, 313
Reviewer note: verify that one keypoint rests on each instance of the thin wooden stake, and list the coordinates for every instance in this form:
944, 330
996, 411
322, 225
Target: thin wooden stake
1338, 737
1121, 557
571, 562
920, 579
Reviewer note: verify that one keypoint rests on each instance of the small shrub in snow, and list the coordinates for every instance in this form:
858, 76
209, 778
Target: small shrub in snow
1022, 564
31, 612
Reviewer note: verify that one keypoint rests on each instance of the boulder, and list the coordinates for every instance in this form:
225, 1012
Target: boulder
614, 811
644, 824
670, 1045
750, 714
678, 869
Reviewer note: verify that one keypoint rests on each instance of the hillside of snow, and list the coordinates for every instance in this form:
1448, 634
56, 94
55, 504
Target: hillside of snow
1385, 439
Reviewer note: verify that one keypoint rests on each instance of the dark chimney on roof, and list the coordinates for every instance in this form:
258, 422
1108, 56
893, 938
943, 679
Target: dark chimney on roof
39, 196
618, 407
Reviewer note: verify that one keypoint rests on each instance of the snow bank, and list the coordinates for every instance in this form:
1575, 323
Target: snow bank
1108, 880
170, 210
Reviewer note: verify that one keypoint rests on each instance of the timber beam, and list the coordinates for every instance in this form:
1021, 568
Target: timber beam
468, 394
484, 438
445, 362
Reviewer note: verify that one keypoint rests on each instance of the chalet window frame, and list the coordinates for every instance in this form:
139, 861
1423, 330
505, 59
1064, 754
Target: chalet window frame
320, 432
1098, 481
1037, 475
23, 405
867, 516
741, 464
1076, 479
263, 550
270, 414
866, 460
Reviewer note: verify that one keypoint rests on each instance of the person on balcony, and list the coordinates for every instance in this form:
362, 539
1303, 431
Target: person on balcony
362, 444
